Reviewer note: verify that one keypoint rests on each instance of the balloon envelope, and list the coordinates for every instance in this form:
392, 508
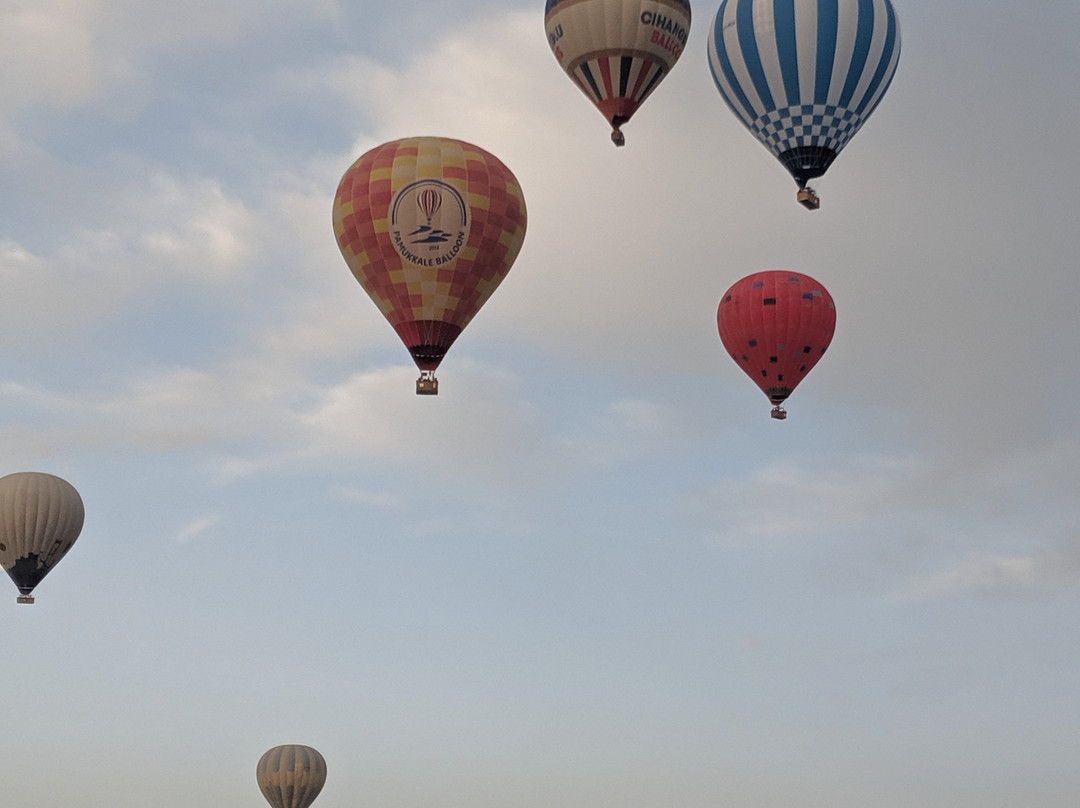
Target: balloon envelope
804, 75
291, 776
776, 325
429, 226
41, 516
617, 51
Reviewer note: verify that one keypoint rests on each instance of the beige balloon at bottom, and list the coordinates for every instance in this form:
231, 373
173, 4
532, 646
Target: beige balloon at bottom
291, 776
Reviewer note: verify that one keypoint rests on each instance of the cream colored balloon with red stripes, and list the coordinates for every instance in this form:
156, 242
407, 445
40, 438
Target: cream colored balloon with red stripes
617, 51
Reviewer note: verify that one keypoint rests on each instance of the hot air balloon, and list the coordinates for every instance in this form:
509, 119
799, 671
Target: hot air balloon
40, 518
430, 227
291, 776
804, 75
776, 325
617, 51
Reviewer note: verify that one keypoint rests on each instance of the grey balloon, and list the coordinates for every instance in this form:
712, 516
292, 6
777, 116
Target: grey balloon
291, 776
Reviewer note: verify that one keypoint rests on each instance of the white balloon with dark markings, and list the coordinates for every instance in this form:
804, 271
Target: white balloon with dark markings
291, 776
41, 515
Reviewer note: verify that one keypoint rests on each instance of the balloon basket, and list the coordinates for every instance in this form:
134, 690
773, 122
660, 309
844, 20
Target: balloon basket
779, 413
808, 199
427, 384
618, 138
24, 599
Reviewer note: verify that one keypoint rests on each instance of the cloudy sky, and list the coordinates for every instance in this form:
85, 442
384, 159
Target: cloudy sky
592, 572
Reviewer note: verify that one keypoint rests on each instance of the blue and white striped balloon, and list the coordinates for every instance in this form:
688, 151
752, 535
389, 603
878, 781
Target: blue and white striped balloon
804, 75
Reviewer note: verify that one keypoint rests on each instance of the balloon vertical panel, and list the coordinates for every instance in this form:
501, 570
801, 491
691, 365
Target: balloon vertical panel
429, 227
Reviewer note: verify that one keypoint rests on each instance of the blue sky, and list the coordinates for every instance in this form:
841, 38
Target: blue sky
592, 572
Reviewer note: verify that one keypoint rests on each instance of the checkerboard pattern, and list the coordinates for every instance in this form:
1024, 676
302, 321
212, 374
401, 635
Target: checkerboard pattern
807, 125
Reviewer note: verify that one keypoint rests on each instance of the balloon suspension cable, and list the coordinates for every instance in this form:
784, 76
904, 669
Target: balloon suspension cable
779, 413
808, 199
24, 599
427, 384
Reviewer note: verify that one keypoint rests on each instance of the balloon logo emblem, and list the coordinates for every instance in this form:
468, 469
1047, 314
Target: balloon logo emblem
426, 232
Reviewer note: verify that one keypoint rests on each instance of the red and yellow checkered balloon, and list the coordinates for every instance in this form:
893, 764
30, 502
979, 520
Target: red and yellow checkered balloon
429, 226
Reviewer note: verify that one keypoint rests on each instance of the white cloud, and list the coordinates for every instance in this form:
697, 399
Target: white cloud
184, 407
625, 430
66, 53
160, 232
479, 425
49, 297
440, 87
196, 229
994, 576
172, 25
378, 499
197, 528
36, 397
786, 499
48, 56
